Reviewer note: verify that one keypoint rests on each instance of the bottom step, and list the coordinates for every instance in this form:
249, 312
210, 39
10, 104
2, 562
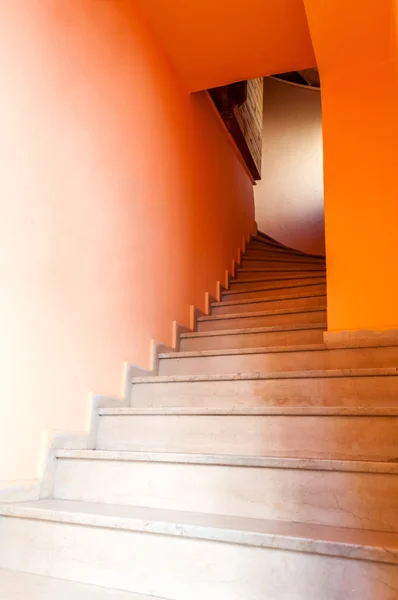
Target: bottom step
190, 556
15, 585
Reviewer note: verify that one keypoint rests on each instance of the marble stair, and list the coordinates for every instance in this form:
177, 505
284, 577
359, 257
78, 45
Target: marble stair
257, 463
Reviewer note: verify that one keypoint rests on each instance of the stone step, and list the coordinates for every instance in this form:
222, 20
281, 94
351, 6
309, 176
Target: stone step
283, 281
284, 335
243, 486
280, 254
272, 290
262, 241
17, 585
268, 318
339, 387
268, 245
261, 251
336, 433
186, 555
284, 358
297, 301
285, 263
245, 274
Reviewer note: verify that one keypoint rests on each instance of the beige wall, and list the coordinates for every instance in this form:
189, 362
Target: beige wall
289, 197
115, 215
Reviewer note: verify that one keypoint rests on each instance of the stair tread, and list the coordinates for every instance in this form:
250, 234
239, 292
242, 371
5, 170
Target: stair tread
195, 334
283, 258
267, 248
244, 351
301, 296
267, 240
239, 411
366, 345
273, 462
280, 269
270, 289
309, 374
261, 254
292, 275
17, 585
327, 540
280, 253
263, 313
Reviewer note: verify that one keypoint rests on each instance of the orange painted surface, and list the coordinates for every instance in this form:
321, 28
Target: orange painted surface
122, 203
357, 54
212, 42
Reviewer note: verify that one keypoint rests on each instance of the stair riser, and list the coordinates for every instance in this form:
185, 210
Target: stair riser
356, 358
248, 263
278, 289
265, 244
275, 247
183, 568
297, 303
322, 391
308, 496
275, 283
298, 318
253, 340
282, 273
280, 255
362, 438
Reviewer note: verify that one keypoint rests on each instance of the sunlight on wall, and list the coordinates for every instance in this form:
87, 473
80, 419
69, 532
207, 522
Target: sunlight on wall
122, 203
289, 197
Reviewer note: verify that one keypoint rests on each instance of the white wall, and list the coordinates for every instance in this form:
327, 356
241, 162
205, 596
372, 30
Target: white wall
289, 197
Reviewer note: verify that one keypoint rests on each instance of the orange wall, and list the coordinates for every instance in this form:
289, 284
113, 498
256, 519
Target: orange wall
289, 197
357, 54
215, 42
122, 203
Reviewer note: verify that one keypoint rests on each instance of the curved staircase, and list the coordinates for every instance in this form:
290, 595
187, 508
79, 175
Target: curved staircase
259, 463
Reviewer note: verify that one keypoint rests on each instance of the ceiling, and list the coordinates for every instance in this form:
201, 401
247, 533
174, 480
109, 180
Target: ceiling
215, 42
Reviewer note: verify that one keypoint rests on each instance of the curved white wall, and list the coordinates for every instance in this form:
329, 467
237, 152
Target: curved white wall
289, 197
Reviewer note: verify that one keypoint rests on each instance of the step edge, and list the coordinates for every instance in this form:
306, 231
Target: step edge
310, 374
276, 270
275, 279
272, 350
266, 239
248, 330
239, 461
293, 260
222, 303
273, 411
279, 252
271, 289
282, 272
226, 531
244, 351
288, 275
262, 313
284, 251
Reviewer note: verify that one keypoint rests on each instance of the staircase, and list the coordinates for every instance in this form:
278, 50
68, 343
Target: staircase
259, 464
